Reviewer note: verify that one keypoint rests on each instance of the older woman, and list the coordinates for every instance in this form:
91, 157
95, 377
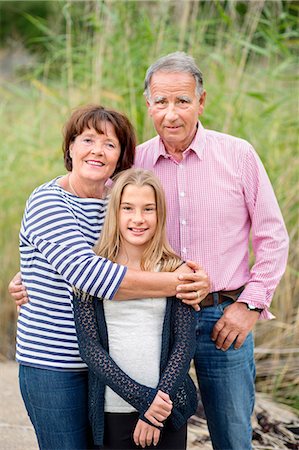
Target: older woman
62, 220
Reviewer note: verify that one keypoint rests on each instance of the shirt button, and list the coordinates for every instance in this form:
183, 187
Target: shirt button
183, 222
181, 166
184, 250
182, 194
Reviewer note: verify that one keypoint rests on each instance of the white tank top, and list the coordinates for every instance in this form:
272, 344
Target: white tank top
134, 335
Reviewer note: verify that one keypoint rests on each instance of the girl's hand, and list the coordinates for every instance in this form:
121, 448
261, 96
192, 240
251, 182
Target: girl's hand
17, 290
145, 435
160, 409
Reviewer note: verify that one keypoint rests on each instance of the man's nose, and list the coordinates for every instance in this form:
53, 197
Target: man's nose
171, 112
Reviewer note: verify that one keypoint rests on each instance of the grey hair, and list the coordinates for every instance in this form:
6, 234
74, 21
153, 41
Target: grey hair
174, 62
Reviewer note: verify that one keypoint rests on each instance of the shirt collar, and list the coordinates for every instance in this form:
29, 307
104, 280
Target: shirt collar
197, 145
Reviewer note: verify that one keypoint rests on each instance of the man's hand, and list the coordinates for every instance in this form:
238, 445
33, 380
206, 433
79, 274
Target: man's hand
144, 434
235, 324
196, 285
17, 290
160, 409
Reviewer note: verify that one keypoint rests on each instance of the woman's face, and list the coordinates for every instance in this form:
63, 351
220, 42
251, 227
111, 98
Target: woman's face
94, 156
137, 216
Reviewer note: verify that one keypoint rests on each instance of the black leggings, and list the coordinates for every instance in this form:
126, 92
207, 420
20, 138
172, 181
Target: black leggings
119, 429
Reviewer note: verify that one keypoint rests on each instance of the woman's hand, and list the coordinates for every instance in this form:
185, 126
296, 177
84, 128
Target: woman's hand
145, 435
17, 290
160, 409
196, 284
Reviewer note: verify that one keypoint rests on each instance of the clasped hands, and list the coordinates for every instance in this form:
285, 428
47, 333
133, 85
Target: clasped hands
160, 409
195, 284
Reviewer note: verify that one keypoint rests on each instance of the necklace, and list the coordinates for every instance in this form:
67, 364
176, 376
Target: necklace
73, 190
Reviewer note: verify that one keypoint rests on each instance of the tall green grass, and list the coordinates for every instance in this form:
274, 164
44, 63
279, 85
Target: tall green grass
98, 51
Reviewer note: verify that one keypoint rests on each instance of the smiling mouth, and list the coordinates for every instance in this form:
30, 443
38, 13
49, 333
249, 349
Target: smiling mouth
95, 163
138, 230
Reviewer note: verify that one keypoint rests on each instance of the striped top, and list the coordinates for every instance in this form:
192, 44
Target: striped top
57, 233
217, 195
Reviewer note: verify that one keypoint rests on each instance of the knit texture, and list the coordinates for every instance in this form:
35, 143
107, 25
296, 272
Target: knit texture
178, 347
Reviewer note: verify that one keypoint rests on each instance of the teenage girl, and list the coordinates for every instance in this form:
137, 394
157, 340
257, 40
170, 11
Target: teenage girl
138, 352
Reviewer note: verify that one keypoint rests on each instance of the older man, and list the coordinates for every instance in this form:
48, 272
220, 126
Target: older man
218, 193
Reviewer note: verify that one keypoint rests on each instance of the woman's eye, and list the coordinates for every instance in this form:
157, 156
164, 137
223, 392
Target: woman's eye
87, 140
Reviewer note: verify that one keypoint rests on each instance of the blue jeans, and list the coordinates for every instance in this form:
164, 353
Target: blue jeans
226, 382
56, 402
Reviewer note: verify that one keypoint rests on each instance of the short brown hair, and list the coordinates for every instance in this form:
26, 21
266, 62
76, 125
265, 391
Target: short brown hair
94, 116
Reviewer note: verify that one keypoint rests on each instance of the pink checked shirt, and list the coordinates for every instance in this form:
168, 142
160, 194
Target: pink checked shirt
216, 195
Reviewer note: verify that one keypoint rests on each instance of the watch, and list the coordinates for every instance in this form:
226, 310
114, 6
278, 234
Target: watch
253, 308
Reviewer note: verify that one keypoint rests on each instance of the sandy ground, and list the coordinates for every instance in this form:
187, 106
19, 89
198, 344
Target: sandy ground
16, 432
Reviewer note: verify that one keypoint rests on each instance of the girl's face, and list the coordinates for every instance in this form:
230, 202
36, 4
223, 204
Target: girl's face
137, 216
95, 155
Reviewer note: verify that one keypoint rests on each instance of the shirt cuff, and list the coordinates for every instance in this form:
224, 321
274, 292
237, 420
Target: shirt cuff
255, 295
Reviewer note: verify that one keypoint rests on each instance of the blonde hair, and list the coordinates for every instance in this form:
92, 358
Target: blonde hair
158, 252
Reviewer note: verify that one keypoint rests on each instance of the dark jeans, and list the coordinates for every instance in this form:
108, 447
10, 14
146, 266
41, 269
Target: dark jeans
119, 429
56, 402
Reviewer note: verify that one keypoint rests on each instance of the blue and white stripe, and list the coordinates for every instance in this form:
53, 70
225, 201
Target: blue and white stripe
57, 233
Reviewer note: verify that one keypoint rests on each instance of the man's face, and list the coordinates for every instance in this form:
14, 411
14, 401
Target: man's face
174, 108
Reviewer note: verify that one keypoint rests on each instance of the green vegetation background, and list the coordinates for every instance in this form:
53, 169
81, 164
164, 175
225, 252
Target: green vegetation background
56, 55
